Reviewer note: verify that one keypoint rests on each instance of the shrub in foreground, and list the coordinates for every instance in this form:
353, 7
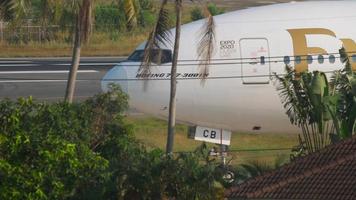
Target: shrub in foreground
86, 151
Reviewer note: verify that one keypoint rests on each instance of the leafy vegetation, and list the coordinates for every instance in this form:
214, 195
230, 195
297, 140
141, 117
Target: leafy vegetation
196, 13
53, 36
307, 100
256, 168
344, 81
325, 112
87, 151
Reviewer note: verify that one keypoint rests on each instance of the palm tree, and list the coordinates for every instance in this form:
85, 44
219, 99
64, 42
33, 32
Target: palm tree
82, 10
50, 13
159, 36
13, 9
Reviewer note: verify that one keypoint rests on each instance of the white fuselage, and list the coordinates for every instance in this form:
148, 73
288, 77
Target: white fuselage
251, 45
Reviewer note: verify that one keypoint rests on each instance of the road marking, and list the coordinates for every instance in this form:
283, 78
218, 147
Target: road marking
14, 61
36, 81
47, 72
18, 65
53, 64
87, 64
68, 58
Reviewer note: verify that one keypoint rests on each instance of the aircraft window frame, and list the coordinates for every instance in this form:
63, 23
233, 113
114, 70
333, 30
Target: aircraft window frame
321, 59
165, 56
309, 59
137, 55
332, 59
353, 58
286, 60
298, 59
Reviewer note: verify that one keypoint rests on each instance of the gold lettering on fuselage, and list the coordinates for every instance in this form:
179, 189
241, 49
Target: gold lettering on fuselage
350, 47
301, 48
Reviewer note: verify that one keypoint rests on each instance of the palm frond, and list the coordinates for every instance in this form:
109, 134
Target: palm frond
294, 95
206, 46
7, 9
14, 9
130, 12
159, 36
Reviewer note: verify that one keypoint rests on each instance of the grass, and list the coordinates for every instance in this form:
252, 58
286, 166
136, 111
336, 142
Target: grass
244, 147
101, 44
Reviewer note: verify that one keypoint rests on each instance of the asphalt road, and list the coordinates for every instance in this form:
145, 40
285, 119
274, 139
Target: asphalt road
46, 78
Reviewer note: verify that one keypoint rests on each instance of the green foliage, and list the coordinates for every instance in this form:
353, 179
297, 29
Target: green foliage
53, 17
49, 151
309, 105
344, 82
214, 10
44, 152
86, 151
109, 17
182, 176
325, 111
197, 13
256, 168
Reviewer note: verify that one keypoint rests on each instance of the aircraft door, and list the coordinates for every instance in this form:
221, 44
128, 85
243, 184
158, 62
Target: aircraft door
255, 66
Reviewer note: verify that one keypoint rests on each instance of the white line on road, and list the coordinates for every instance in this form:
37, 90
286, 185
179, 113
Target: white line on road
35, 81
87, 64
13, 61
18, 65
54, 64
47, 72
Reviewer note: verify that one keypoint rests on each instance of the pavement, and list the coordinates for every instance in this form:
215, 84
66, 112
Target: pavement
46, 78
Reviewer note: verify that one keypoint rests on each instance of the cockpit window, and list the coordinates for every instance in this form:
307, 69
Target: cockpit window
158, 56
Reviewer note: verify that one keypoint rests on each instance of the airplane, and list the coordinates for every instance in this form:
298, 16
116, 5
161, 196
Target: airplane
240, 93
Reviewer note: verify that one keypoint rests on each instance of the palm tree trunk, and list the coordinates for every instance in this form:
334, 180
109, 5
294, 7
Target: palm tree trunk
172, 100
75, 63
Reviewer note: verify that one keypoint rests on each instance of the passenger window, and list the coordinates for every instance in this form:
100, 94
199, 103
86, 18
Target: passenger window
286, 60
353, 58
310, 59
320, 59
298, 59
332, 59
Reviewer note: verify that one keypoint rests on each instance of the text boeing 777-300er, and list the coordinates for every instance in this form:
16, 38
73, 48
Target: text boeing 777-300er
252, 44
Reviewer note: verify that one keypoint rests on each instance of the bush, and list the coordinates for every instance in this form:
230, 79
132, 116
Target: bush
197, 12
86, 151
45, 151
50, 151
109, 17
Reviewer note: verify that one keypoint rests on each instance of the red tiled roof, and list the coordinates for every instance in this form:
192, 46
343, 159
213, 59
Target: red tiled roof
327, 174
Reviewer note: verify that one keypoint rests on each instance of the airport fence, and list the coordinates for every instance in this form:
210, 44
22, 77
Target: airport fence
27, 33
34, 33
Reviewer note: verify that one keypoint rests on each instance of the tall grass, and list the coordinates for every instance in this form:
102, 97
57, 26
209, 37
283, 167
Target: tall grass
101, 44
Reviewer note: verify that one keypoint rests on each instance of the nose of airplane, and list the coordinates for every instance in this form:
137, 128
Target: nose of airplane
117, 75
